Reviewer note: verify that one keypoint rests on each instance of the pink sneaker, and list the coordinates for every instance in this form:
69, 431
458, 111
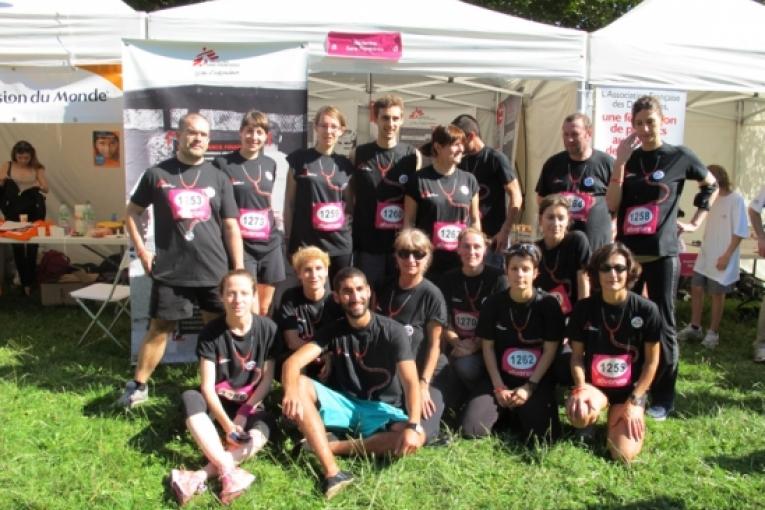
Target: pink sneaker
187, 484
234, 483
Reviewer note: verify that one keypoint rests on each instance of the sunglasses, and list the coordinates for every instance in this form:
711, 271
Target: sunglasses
522, 249
417, 254
607, 268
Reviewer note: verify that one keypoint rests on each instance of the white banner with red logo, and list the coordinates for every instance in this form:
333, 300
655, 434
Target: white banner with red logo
56, 95
613, 116
222, 81
420, 121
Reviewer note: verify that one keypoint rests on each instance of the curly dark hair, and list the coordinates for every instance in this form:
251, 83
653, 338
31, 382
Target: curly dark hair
601, 256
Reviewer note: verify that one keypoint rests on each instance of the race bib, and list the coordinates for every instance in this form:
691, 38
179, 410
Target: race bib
189, 204
641, 220
445, 235
328, 216
611, 370
255, 224
561, 295
465, 322
520, 362
225, 390
581, 203
389, 216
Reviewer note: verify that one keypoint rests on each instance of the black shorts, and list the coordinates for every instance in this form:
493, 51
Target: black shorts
268, 269
194, 403
175, 303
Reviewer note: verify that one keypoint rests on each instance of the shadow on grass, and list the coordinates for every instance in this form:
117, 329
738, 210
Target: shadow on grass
707, 403
656, 503
750, 463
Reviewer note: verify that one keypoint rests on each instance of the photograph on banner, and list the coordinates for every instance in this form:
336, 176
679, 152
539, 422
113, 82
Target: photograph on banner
508, 113
613, 115
106, 149
350, 110
222, 81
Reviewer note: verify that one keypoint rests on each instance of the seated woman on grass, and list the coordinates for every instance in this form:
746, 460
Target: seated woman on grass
614, 337
236, 366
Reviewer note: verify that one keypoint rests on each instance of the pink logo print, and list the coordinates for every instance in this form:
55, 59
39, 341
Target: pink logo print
204, 57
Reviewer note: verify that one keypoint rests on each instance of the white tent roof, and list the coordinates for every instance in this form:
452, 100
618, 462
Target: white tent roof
66, 32
713, 45
443, 37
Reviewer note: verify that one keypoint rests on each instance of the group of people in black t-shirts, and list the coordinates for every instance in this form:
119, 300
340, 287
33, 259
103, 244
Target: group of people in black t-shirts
430, 309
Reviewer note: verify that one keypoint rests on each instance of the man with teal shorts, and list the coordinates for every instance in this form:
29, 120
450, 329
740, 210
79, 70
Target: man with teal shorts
373, 379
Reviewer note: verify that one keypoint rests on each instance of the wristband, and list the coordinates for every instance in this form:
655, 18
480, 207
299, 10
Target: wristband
500, 388
246, 410
577, 389
616, 181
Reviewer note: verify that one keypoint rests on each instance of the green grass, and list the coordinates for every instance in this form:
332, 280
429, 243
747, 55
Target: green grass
63, 447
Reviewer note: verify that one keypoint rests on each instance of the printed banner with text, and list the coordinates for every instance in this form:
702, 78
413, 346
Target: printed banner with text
613, 115
222, 81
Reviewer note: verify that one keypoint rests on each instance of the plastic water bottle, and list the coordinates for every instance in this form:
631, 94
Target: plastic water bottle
64, 218
89, 217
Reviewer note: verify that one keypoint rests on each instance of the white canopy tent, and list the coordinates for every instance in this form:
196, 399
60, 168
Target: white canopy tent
453, 54
58, 48
715, 50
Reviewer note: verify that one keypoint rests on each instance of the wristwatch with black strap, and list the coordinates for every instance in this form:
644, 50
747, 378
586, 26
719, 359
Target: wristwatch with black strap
417, 427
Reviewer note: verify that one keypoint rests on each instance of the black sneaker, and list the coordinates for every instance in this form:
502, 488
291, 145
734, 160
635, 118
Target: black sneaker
334, 484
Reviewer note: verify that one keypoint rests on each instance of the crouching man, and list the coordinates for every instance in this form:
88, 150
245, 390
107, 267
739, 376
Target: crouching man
373, 375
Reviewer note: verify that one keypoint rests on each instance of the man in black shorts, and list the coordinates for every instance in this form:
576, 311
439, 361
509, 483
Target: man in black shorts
194, 210
494, 174
580, 173
373, 376
381, 170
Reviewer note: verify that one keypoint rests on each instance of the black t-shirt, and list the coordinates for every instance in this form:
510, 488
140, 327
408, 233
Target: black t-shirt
298, 313
561, 174
443, 204
492, 170
614, 366
253, 182
653, 184
364, 361
519, 331
378, 185
559, 265
414, 308
318, 217
190, 203
465, 296
239, 361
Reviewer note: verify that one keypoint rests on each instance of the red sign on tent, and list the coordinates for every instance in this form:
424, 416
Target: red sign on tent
378, 45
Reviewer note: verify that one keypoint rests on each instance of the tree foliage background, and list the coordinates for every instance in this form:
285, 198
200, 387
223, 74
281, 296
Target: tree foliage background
588, 15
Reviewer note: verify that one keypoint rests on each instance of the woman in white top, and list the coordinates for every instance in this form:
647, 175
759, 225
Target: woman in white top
22, 180
717, 267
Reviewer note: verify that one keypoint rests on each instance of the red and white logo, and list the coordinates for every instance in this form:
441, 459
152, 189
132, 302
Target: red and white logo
204, 57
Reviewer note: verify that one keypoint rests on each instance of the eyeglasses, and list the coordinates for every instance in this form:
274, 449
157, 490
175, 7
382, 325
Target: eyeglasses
607, 268
417, 254
522, 249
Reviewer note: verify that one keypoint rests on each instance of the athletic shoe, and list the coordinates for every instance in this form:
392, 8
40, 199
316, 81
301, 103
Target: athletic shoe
234, 483
658, 412
759, 352
133, 396
689, 333
711, 339
186, 484
334, 484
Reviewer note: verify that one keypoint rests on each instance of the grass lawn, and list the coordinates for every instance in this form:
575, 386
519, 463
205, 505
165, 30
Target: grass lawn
63, 447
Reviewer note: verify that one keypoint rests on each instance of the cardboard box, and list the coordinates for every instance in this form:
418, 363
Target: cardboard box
52, 294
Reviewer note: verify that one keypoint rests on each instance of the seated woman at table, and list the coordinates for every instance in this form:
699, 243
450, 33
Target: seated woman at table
520, 331
236, 366
22, 182
614, 337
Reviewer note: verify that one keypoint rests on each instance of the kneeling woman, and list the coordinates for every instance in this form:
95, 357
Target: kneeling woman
615, 351
520, 332
236, 366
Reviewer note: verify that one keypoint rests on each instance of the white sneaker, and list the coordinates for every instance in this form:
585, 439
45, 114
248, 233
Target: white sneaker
711, 339
133, 396
689, 333
759, 353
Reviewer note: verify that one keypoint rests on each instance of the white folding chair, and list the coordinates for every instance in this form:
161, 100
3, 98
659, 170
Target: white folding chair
105, 293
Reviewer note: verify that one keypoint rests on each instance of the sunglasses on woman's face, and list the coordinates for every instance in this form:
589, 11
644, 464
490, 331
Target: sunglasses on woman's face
607, 268
417, 254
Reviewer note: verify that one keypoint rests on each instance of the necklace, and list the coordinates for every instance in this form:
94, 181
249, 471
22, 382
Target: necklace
328, 177
244, 359
576, 183
472, 299
392, 313
193, 184
449, 195
520, 329
383, 169
613, 330
255, 182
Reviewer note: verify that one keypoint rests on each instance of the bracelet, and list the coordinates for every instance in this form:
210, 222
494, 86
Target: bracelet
577, 389
500, 388
616, 181
246, 410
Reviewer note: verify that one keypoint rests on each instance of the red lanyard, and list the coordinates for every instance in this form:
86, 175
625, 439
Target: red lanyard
328, 177
193, 184
383, 169
646, 178
575, 183
612, 333
256, 182
520, 329
472, 299
391, 312
244, 359
449, 195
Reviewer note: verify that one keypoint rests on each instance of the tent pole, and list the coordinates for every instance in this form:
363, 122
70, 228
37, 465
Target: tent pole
739, 120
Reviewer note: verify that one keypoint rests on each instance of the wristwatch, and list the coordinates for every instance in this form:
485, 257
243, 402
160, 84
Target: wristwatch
416, 427
638, 401
532, 385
